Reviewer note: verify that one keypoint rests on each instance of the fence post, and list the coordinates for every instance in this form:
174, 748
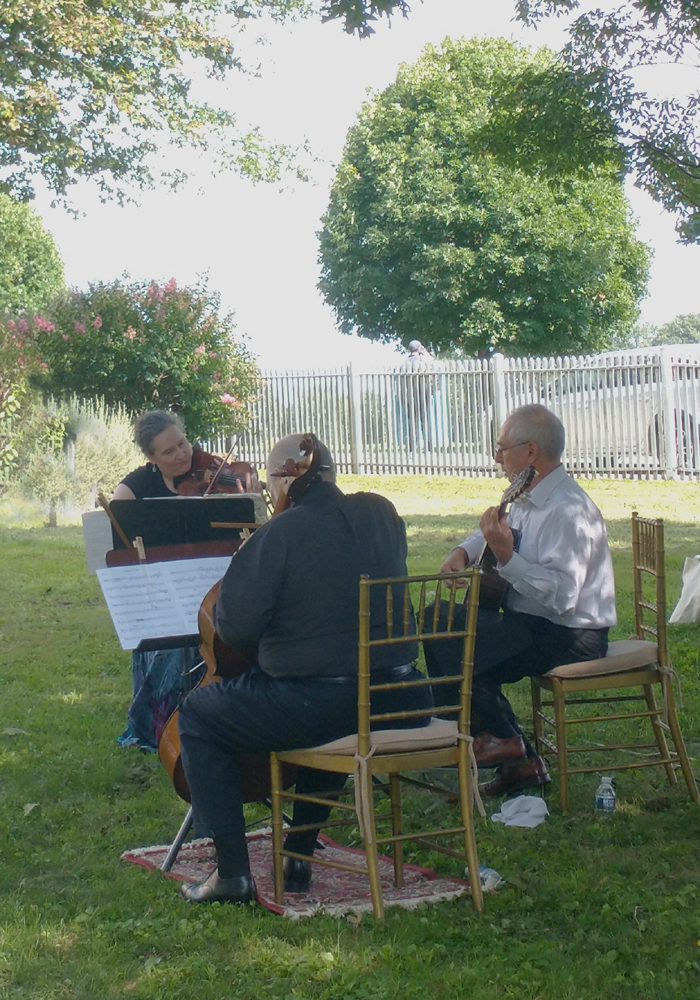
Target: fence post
355, 404
500, 403
668, 435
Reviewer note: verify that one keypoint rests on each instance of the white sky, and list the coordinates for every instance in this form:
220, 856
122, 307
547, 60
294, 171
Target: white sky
258, 244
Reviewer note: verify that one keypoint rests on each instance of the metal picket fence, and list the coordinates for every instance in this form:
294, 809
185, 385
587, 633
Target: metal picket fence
631, 414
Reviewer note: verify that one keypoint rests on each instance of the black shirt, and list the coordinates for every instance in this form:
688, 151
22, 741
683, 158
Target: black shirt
293, 588
146, 482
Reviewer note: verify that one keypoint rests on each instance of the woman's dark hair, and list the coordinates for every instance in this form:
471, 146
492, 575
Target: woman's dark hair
150, 425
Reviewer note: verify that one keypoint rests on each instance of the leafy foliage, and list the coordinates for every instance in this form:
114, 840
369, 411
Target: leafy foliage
660, 136
358, 15
430, 234
87, 89
70, 449
146, 346
31, 270
91, 89
16, 360
683, 329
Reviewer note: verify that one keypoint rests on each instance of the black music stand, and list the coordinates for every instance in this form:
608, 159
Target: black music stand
181, 520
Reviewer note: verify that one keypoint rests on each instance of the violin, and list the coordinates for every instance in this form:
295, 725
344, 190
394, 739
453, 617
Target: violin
222, 661
212, 474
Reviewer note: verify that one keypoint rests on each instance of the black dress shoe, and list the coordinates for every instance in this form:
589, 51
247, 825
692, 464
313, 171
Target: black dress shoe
297, 875
516, 776
239, 889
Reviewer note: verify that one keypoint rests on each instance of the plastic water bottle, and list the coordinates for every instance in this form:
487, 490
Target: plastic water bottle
605, 796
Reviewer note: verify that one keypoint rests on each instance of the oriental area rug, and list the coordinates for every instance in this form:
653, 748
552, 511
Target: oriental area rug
332, 891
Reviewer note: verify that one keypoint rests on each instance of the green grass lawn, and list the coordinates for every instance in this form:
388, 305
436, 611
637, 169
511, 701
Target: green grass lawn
592, 909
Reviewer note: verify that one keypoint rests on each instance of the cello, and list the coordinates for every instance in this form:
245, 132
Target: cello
223, 662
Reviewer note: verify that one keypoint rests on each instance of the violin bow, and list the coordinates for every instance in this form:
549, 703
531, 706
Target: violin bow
220, 469
104, 503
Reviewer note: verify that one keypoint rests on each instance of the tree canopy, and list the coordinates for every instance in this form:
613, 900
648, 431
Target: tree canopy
31, 269
430, 234
659, 134
90, 88
683, 329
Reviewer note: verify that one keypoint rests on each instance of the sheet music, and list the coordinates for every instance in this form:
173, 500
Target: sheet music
192, 580
97, 533
153, 600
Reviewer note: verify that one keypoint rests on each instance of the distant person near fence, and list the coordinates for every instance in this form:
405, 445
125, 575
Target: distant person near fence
415, 398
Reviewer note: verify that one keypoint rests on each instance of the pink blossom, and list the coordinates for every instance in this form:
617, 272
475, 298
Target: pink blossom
171, 285
43, 366
199, 351
213, 354
154, 293
23, 326
79, 328
216, 376
97, 322
11, 324
130, 333
65, 335
227, 398
43, 324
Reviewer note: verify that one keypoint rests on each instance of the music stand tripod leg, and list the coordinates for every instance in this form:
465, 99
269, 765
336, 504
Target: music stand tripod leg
174, 849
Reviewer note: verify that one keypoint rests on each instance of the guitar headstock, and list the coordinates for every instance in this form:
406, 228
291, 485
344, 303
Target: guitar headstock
519, 484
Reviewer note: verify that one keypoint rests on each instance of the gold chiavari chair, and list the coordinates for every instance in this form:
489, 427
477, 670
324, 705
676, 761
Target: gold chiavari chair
642, 662
374, 751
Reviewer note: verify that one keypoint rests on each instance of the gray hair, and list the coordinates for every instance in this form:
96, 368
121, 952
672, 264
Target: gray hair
149, 425
538, 424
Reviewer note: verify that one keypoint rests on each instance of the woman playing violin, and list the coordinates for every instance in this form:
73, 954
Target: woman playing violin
158, 674
161, 437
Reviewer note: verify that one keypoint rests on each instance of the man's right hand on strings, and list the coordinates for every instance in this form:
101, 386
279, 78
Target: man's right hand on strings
456, 561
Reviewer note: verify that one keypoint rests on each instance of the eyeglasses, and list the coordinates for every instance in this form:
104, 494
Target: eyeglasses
508, 447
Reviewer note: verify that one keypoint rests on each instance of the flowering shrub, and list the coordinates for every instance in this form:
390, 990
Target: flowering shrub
147, 346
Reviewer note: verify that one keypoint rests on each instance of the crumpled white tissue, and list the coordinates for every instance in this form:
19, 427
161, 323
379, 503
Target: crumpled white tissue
524, 810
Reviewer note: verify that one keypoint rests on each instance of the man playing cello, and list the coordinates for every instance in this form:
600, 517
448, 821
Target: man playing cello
292, 591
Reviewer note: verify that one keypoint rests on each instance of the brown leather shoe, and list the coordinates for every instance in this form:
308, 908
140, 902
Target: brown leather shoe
490, 751
515, 776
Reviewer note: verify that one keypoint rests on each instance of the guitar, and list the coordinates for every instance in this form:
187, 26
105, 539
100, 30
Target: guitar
493, 586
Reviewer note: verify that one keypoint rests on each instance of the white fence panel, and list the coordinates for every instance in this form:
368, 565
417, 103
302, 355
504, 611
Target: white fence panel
631, 414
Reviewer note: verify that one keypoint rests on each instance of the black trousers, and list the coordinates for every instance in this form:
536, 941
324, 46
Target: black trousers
255, 713
509, 646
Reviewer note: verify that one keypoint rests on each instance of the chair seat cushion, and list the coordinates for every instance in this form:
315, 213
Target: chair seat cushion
439, 733
623, 655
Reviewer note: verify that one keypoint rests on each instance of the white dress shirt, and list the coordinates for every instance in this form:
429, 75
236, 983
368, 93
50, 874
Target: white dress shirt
563, 570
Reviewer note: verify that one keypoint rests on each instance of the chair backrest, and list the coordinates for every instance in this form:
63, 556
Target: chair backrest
434, 619
648, 561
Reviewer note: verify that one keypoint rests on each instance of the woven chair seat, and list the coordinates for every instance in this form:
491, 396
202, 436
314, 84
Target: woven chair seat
437, 735
622, 656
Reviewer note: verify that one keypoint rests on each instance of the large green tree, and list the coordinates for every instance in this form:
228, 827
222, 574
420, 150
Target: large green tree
90, 88
31, 269
660, 134
431, 235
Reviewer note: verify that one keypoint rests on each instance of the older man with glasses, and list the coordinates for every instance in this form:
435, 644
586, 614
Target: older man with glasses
560, 600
